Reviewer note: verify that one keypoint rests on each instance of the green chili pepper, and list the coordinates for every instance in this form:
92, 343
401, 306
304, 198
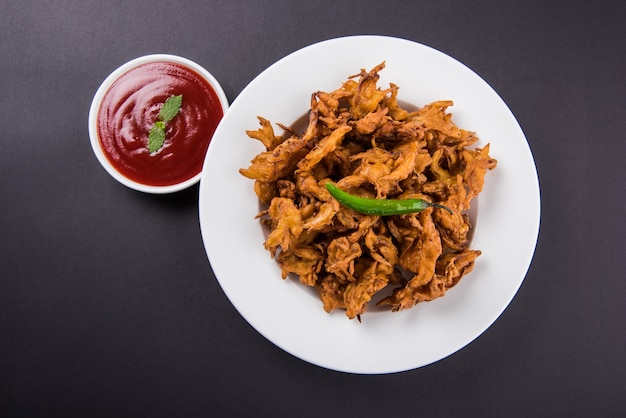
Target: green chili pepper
381, 207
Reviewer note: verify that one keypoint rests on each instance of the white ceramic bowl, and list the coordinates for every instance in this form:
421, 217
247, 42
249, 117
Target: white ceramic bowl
95, 106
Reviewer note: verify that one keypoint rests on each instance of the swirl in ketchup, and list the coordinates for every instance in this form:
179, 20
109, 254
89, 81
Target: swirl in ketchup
130, 108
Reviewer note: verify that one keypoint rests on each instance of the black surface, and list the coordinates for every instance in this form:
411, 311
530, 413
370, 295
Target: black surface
108, 305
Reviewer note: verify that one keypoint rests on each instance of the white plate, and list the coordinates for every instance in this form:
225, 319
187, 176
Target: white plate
291, 315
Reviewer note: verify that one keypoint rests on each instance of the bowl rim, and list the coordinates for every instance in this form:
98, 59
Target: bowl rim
95, 107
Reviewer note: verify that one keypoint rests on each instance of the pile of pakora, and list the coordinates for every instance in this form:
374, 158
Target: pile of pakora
362, 140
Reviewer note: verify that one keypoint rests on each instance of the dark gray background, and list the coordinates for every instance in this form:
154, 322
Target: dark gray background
108, 305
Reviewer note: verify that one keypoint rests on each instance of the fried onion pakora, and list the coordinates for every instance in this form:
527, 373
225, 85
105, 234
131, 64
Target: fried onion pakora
362, 140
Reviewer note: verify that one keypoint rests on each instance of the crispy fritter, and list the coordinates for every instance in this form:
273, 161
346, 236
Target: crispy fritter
359, 137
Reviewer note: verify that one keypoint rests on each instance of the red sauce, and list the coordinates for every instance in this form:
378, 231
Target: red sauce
129, 109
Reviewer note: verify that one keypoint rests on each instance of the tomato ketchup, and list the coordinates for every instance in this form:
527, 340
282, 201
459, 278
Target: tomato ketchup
129, 109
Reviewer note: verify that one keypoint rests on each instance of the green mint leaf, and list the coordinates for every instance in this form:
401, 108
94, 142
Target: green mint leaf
170, 108
156, 137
